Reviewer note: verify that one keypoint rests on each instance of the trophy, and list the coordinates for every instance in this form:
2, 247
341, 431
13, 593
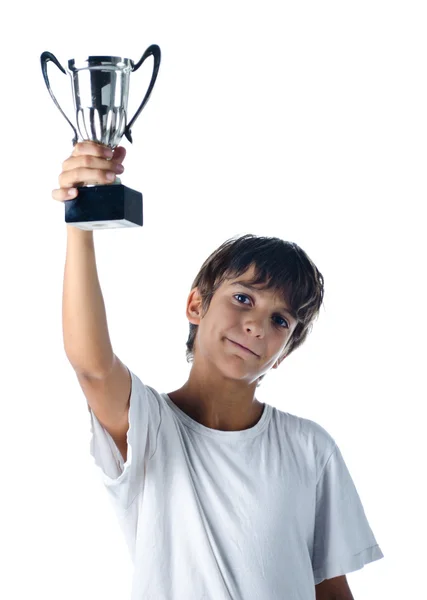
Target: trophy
100, 86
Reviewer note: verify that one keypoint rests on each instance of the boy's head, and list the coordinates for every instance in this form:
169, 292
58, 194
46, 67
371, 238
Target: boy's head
284, 278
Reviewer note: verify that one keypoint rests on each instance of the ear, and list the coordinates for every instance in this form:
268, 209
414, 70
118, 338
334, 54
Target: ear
194, 307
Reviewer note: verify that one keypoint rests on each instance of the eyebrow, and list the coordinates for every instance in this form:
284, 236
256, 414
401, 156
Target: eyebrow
246, 285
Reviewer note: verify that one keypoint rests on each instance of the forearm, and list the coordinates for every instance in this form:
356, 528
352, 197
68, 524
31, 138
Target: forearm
336, 588
84, 321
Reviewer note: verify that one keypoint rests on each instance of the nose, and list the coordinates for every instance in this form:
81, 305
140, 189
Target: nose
256, 329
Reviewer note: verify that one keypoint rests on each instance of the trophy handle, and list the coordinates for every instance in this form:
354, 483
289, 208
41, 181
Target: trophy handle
44, 59
153, 50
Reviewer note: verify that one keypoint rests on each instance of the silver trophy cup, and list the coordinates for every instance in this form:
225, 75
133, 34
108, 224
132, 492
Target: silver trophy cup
100, 86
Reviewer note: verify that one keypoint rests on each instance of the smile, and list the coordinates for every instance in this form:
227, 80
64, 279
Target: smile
242, 348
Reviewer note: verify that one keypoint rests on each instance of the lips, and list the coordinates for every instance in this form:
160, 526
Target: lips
237, 343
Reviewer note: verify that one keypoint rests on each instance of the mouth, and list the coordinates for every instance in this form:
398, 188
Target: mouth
243, 348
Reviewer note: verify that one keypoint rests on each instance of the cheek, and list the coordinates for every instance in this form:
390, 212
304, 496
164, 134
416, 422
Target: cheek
226, 314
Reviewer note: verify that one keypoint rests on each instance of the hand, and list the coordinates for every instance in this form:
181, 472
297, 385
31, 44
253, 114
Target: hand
89, 164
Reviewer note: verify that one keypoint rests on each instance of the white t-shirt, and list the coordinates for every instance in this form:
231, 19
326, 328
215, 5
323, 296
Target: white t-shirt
264, 513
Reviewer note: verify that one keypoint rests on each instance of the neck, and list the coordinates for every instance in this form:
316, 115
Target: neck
228, 405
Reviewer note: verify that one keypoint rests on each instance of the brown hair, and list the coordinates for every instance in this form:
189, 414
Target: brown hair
281, 266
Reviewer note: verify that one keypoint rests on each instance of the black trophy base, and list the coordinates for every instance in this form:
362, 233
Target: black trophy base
104, 207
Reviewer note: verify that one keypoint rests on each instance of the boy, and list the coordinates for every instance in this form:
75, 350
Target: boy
219, 495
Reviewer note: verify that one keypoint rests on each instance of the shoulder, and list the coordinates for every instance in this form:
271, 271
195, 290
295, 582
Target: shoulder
309, 437
314, 433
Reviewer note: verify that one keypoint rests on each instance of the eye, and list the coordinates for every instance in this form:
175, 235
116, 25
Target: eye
279, 317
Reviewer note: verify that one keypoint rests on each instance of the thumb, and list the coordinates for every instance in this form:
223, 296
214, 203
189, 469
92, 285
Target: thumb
119, 154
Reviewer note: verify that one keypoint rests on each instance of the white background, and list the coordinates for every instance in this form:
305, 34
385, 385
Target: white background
301, 120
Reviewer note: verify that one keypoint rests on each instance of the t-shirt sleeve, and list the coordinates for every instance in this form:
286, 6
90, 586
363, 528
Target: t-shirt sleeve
343, 539
124, 481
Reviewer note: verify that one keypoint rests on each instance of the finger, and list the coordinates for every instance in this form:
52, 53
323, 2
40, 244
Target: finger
93, 148
87, 175
62, 194
119, 154
89, 161
89, 148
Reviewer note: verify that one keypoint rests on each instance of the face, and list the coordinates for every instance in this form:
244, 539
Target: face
256, 319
